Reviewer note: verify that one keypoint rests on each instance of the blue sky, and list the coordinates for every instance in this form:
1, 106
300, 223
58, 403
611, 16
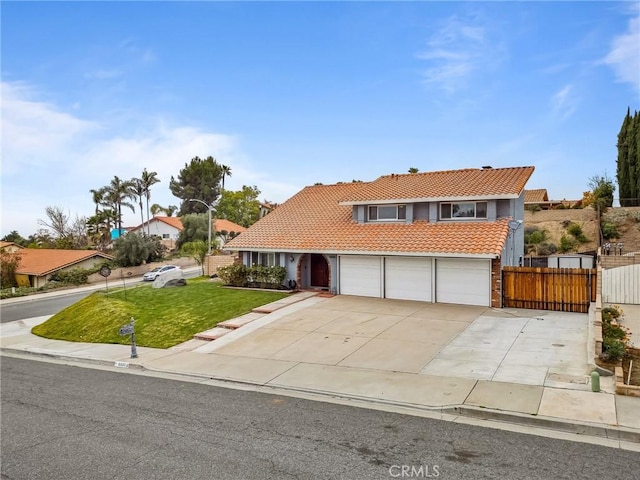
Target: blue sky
292, 93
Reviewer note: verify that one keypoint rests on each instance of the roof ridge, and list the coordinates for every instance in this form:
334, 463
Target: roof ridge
456, 170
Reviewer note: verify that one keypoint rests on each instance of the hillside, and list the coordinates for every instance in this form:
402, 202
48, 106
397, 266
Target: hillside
626, 221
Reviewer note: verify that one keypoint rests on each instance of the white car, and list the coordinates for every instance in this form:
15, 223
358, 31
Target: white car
153, 274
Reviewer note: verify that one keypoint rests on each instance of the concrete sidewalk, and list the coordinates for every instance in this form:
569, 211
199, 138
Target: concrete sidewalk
332, 349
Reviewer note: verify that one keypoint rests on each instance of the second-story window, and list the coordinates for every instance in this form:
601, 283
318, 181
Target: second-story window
462, 210
386, 213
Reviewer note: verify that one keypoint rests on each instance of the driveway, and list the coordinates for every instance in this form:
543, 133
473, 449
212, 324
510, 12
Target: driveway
477, 343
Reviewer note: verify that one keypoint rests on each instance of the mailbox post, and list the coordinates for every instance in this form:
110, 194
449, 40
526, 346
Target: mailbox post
129, 329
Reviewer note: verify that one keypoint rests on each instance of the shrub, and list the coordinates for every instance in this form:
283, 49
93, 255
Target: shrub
132, 250
267, 277
234, 275
533, 208
546, 248
537, 237
614, 336
609, 230
75, 276
575, 230
566, 244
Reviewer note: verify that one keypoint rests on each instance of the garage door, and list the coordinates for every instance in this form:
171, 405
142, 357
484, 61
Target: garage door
407, 278
463, 281
360, 276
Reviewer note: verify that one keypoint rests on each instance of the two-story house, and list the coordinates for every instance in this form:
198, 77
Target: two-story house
434, 236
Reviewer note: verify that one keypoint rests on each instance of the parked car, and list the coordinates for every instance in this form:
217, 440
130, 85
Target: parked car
156, 272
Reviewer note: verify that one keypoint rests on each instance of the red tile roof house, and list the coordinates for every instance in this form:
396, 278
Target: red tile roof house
37, 265
433, 237
168, 229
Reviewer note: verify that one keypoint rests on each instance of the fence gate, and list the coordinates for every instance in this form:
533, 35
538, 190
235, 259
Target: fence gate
559, 289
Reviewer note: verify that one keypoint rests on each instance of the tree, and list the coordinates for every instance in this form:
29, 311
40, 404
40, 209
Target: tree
116, 195
241, 207
99, 228
198, 179
168, 211
197, 250
16, 238
138, 192
9, 263
628, 164
413, 170
602, 188
194, 228
66, 234
148, 179
132, 250
226, 172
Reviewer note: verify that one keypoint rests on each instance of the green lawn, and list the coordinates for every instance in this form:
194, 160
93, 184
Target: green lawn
164, 317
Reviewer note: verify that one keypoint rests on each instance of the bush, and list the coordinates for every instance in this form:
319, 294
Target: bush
566, 244
533, 208
546, 248
614, 337
609, 230
267, 277
575, 230
75, 276
234, 275
132, 250
256, 276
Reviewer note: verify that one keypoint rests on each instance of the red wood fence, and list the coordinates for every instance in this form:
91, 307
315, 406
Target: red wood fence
559, 289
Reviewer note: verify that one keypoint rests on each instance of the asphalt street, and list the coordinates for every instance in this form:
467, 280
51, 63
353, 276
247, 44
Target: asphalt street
71, 422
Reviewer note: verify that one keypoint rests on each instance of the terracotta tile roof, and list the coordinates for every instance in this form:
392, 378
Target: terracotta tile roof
228, 225
4, 244
314, 220
536, 196
42, 261
175, 222
220, 224
444, 185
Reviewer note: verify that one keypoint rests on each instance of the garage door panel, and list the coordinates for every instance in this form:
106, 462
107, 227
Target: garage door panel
463, 281
360, 276
408, 278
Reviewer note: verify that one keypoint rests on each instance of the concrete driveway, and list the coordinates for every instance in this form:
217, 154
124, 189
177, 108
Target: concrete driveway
516, 346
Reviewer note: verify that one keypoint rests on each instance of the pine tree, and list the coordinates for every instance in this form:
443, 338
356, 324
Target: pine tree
628, 165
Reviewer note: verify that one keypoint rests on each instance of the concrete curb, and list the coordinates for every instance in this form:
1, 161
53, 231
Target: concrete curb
611, 432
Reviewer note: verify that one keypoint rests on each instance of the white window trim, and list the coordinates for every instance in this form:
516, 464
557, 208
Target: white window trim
396, 219
459, 219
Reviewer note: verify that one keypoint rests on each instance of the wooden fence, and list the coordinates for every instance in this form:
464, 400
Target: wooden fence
559, 289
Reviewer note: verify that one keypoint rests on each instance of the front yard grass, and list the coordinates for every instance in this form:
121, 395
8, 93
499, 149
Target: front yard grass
164, 317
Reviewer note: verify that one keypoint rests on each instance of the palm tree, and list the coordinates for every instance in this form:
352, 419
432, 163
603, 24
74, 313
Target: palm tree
138, 193
98, 198
148, 179
116, 195
226, 172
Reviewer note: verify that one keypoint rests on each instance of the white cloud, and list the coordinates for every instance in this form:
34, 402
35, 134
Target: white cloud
564, 102
624, 55
51, 157
455, 51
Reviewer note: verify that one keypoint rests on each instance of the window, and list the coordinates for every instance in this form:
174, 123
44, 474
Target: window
463, 210
382, 213
165, 235
266, 259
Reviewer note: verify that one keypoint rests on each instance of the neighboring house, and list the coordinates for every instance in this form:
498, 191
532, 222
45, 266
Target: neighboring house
265, 208
37, 265
166, 228
169, 228
539, 199
434, 236
10, 247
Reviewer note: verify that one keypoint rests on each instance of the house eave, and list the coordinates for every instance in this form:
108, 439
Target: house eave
369, 252
430, 199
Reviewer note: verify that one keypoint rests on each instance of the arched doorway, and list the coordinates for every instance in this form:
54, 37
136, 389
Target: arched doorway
319, 271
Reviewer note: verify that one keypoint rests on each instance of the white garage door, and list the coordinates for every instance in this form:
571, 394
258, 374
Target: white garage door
360, 276
407, 278
463, 281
